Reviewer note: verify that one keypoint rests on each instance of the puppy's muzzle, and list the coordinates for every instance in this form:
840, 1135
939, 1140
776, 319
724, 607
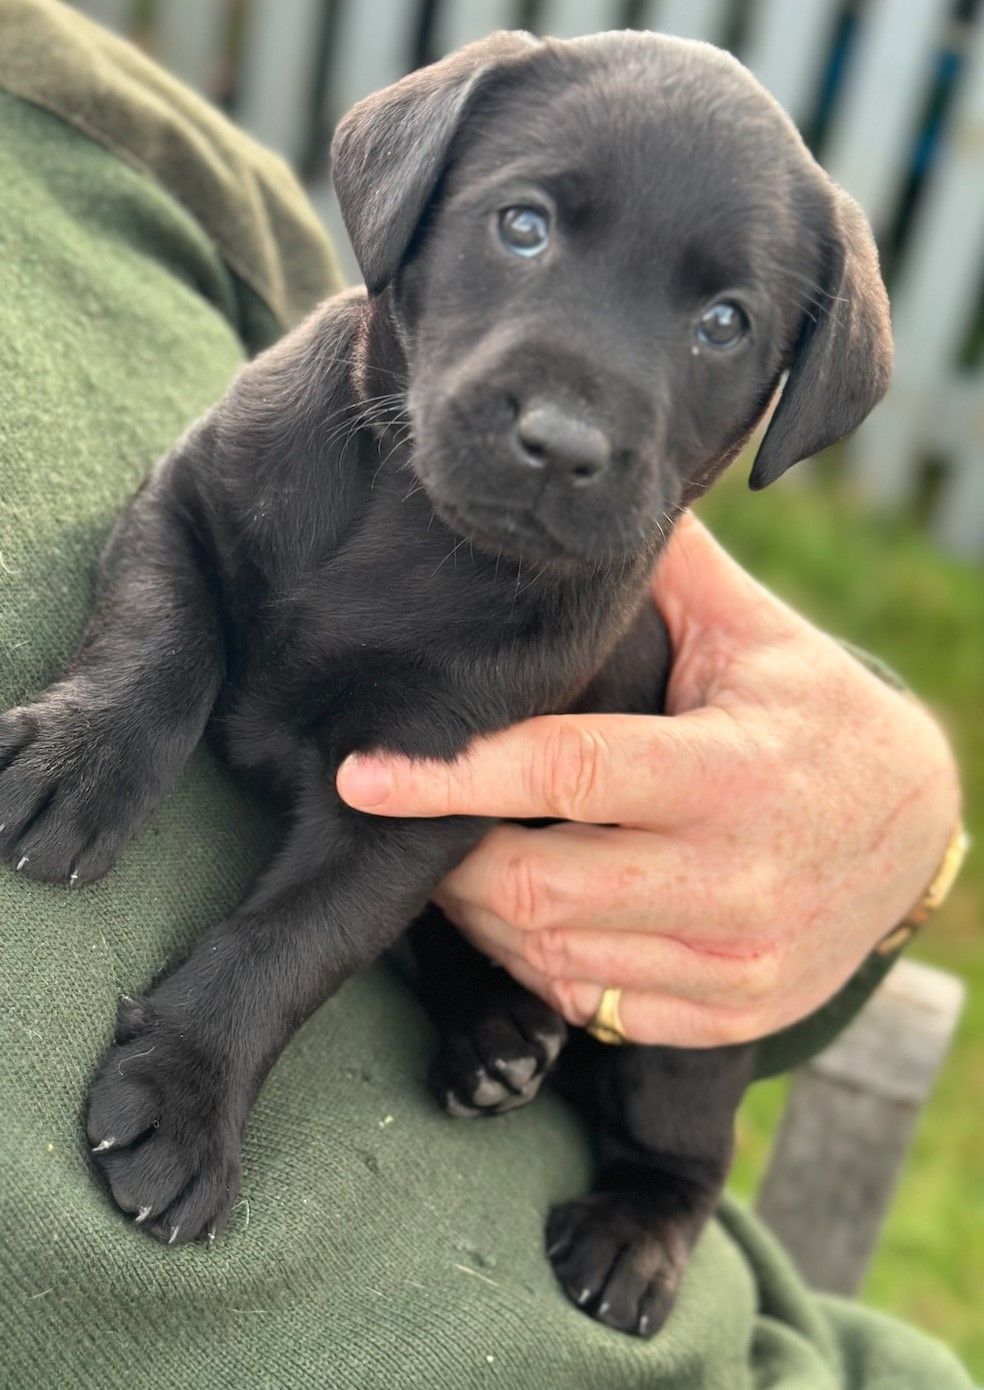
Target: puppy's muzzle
540, 452
566, 447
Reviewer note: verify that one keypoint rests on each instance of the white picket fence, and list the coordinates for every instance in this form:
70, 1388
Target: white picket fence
300, 63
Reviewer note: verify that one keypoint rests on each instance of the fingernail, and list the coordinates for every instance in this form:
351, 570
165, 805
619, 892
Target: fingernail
363, 781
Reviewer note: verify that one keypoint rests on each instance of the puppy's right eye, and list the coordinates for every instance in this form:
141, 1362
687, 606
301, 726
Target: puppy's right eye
524, 230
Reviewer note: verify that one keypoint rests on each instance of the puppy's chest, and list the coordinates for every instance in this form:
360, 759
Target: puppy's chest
432, 625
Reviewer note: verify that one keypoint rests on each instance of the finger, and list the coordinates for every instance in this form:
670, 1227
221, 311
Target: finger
634, 961
651, 1019
601, 768
618, 880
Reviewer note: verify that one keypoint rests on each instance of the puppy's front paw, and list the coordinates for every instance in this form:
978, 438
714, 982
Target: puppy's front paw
500, 1061
164, 1128
619, 1258
74, 785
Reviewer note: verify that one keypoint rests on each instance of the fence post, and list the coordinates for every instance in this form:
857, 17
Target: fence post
932, 307
870, 142
848, 1122
784, 43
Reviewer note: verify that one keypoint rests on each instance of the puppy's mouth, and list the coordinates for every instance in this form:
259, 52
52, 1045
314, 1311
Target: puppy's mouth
514, 532
525, 534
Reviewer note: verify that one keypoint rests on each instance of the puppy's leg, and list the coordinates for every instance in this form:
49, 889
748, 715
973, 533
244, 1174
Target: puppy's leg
170, 1099
665, 1119
498, 1041
84, 765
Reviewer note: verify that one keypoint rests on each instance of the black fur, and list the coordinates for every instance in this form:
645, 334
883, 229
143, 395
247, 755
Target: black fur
366, 544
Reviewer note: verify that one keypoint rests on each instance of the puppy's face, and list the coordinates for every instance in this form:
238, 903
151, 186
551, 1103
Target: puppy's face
599, 310
627, 247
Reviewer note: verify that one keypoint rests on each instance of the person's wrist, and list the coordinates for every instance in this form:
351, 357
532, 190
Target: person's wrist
946, 842
934, 896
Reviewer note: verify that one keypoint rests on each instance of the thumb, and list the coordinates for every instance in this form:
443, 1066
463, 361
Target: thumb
698, 586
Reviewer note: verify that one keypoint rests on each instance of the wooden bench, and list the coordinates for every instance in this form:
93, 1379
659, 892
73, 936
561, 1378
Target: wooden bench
848, 1122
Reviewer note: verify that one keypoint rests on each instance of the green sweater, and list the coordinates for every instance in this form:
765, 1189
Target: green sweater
145, 249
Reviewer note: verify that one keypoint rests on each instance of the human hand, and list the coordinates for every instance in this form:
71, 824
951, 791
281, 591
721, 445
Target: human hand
728, 867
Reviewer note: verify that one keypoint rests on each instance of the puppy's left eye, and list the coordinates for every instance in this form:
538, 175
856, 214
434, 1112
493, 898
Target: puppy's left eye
525, 230
722, 325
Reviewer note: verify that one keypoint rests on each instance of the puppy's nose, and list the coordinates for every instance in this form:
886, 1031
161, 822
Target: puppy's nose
569, 447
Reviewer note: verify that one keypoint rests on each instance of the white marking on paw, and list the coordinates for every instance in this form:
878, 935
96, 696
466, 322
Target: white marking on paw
488, 1092
22, 861
142, 1214
551, 1045
174, 1235
106, 1144
455, 1108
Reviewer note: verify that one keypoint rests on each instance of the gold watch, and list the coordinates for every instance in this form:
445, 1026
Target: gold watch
934, 896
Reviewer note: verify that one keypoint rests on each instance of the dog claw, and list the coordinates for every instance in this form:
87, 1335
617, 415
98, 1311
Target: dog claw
583, 1297
174, 1235
22, 861
455, 1108
142, 1214
106, 1144
211, 1236
72, 880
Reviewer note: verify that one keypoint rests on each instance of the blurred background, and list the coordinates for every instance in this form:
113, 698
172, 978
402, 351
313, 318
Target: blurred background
882, 541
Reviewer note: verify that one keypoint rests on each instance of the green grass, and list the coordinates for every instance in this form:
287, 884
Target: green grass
880, 583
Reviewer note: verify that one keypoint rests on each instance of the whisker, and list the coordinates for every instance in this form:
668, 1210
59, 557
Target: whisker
453, 551
343, 360
400, 442
537, 574
347, 429
519, 575
811, 284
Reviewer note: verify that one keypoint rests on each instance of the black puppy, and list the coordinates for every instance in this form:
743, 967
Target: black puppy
429, 512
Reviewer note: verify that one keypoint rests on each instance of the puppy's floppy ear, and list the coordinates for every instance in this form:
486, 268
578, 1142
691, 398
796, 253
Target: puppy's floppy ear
843, 361
389, 151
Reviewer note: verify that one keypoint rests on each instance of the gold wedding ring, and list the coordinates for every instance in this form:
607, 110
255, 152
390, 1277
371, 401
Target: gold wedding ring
606, 1025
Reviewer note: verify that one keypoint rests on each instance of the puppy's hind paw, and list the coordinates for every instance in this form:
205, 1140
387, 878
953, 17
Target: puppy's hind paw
499, 1062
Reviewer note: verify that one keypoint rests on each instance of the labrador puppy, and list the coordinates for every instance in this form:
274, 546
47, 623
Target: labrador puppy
428, 512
